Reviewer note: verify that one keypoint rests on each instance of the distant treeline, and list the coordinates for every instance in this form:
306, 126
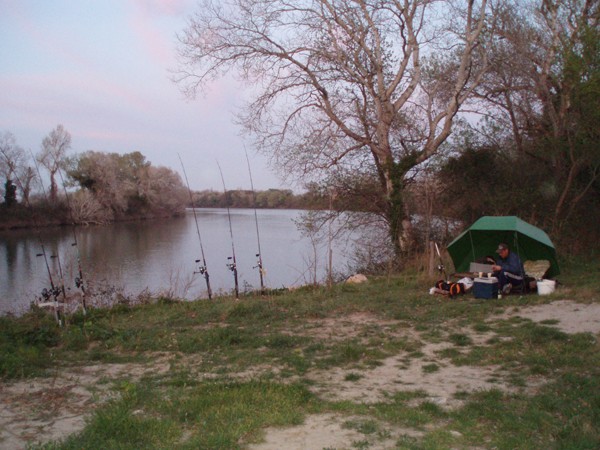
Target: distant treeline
271, 198
97, 188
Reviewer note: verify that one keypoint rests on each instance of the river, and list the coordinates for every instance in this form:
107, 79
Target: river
159, 256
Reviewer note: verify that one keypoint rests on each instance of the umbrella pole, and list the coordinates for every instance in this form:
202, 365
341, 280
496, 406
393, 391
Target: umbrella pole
472, 246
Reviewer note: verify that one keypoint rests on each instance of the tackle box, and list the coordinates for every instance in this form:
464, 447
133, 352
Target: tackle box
485, 287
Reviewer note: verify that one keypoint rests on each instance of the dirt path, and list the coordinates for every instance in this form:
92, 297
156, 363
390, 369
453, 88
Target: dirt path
45, 409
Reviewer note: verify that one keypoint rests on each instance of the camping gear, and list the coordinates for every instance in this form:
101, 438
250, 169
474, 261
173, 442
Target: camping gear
536, 269
482, 238
546, 287
451, 288
485, 287
479, 267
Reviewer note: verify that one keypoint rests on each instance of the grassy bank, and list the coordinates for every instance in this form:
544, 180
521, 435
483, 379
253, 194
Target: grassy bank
218, 374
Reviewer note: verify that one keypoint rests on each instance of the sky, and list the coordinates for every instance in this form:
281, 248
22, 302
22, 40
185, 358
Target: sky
102, 69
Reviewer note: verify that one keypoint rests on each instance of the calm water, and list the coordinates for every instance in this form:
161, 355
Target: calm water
160, 255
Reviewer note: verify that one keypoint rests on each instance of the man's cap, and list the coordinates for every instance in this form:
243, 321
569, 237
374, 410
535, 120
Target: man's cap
501, 246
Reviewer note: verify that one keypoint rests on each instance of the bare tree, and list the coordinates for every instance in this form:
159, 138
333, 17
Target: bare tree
12, 165
53, 153
101, 174
367, 84
12, 156
26, 177
86, 209
126, 184
163, 189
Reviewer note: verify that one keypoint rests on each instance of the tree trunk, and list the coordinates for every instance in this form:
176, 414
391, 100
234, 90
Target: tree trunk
399, 220
431, 254
53, 188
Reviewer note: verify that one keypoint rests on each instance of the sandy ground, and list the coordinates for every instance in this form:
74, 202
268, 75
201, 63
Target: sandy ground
572, 317
45, 409
324, 431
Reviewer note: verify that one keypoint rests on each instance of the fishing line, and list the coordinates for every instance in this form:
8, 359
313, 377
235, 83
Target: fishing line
202, 268
232, 265
259, 265
57, 256
79, 283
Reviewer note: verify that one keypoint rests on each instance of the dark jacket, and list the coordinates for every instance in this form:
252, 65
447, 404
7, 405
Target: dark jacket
512, 263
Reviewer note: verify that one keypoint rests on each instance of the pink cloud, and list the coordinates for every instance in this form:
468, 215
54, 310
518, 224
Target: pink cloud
148, 20
153, 40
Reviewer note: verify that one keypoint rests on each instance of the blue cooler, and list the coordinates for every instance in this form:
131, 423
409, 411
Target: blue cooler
485, 287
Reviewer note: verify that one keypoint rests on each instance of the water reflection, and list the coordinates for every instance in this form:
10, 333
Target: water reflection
160, 255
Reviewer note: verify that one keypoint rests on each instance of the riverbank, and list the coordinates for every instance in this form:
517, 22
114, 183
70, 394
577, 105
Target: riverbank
377, 365
158, 257
23, 218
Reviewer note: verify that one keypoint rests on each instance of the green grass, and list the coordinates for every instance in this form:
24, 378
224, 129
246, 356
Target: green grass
460, 340
276, 342
431, 368
202, 415
564, 414
352, 376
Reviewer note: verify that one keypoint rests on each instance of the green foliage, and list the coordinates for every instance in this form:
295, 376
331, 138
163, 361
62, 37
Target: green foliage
10, 194
536, 155
25, 344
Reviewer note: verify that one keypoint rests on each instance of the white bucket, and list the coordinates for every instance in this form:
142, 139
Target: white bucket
546, 287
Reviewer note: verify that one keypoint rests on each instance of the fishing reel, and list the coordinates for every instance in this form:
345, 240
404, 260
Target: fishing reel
47, 293
201, 269
231, 265
258, 263
441, 268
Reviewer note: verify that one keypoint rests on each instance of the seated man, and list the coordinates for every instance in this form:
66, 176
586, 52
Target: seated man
508, 269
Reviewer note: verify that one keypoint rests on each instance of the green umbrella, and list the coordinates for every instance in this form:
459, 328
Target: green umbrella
482, 239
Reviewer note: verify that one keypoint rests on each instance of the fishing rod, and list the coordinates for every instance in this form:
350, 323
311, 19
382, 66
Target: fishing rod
201, 267
441, 268
56, 257
54, 291
259, 264
231, 265
79, 281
